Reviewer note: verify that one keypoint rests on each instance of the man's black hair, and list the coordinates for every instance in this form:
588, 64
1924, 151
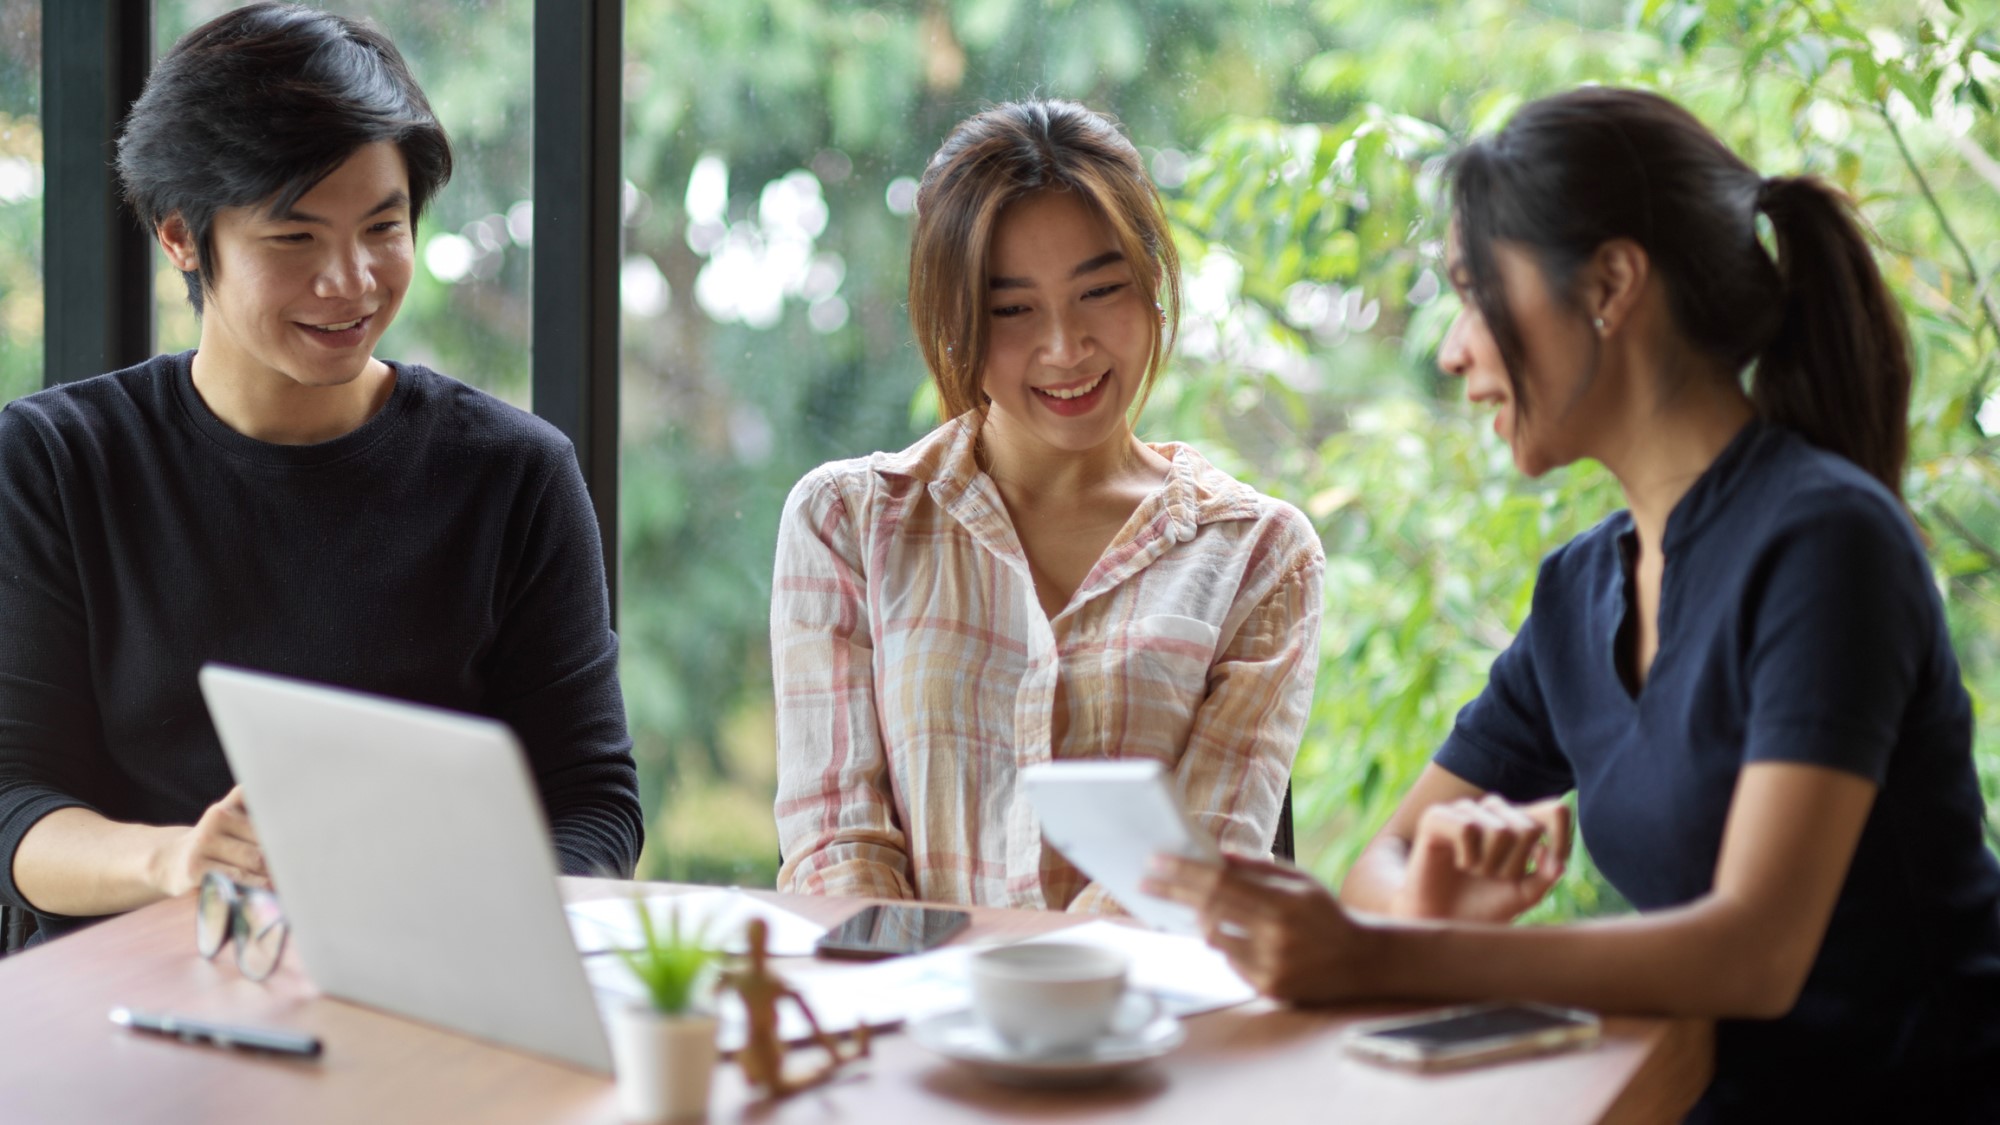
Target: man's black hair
257, 107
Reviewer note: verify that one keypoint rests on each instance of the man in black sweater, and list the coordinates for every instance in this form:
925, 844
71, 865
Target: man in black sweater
281, 499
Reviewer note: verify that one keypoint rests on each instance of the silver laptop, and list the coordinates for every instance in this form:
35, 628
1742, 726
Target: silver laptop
409, 849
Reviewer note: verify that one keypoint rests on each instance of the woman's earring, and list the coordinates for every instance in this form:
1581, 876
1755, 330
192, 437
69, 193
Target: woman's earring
1598, 323
1163, 313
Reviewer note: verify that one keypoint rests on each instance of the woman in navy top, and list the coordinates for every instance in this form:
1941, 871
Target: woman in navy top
1746, 677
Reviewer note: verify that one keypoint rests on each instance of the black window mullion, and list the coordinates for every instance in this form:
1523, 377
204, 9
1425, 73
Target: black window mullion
578, 198
98, 264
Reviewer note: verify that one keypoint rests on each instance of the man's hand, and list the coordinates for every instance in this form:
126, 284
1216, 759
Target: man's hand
222, 840
1484, 860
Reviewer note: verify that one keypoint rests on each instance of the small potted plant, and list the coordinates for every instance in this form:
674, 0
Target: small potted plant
664, 1047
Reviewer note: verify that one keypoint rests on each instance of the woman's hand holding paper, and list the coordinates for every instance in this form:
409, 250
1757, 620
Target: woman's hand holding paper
1280, 928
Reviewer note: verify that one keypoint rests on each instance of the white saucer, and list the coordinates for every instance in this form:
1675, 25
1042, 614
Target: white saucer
1142, 1030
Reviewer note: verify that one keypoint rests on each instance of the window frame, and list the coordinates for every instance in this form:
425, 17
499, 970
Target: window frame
97, 258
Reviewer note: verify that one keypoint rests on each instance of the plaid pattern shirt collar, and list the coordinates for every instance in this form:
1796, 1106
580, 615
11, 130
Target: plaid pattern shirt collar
1195, 493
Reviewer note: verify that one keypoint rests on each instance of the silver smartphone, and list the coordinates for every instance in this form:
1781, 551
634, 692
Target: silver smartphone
1472, 1034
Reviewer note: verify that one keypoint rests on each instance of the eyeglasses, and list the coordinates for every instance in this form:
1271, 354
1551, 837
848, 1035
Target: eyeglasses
227, 909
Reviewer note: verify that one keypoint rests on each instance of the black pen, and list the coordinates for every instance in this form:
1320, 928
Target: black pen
274, 1040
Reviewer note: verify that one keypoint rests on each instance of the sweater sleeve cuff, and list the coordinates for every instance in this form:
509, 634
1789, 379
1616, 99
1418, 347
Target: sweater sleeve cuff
602, 844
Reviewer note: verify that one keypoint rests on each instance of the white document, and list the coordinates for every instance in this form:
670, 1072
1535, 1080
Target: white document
892, 991
1111, 819
724, 915
1184, 972
1187, 976
843, 995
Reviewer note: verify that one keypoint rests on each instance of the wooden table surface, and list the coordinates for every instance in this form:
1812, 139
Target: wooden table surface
61, 1060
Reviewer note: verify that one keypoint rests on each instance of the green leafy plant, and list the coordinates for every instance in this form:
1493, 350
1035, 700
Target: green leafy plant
671, 963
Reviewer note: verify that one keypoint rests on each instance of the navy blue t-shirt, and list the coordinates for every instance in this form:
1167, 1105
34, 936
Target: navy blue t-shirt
1798, 623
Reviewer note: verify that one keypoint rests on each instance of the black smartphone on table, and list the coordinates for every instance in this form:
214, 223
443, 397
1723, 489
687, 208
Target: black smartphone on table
1473, 1034
891, 931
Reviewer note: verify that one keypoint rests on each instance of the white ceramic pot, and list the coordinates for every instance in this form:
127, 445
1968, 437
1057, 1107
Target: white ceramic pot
664, 1063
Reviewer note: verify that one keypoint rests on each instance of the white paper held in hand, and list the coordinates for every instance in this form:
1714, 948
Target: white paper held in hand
1110, 819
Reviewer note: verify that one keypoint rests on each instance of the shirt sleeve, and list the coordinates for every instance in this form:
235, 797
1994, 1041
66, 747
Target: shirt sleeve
553, 678
837, 824
1238, 760
51, 747
1502, 741
1842, 618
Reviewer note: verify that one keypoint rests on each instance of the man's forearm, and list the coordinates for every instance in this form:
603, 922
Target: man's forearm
76, 862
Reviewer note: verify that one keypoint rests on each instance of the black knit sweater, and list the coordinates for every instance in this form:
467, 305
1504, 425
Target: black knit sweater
445, 552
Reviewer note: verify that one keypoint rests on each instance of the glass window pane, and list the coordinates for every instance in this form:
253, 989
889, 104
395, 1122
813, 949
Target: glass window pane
467, 310
20, 198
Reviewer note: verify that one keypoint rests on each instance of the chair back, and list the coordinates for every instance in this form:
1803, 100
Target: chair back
1282, 844
16, 927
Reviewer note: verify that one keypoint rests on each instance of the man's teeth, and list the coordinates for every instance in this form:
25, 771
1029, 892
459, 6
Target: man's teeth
337, 327
1077, 392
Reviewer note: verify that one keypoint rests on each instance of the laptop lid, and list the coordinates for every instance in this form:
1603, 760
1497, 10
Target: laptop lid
410, 852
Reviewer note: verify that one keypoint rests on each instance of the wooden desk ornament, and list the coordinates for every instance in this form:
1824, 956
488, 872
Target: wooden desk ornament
762, 1055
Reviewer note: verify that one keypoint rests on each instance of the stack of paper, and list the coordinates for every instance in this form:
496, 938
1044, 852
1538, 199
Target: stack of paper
842, 997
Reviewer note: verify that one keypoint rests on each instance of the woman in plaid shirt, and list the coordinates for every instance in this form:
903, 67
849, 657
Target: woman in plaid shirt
1031, 581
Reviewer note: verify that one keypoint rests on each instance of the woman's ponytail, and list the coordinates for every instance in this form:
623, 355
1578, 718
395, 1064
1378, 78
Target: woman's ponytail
1838, 369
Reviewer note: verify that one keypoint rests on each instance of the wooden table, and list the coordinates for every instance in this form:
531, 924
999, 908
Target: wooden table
61, 1060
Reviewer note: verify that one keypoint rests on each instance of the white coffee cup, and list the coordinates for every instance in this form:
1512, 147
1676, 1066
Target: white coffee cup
1048, 997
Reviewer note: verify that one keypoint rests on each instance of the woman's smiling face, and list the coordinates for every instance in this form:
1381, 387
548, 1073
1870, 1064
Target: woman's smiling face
1069, 334
1559, 352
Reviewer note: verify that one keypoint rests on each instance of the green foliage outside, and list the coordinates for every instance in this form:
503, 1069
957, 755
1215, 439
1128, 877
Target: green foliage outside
20, 202
1300, 145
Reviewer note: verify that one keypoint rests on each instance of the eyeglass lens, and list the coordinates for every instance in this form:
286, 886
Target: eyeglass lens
260, 935
225, 910
214, 907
